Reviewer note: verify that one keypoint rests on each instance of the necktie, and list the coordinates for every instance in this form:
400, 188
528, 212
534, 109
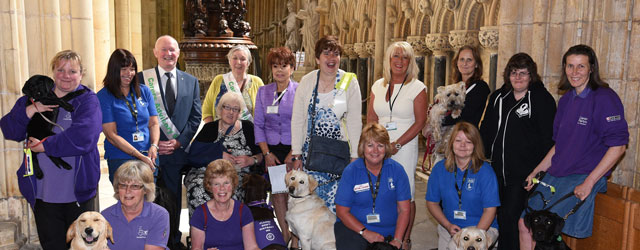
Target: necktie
170, 95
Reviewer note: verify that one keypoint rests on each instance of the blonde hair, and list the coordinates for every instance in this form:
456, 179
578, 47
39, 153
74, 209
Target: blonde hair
220, 168
229, 97
407, 50
373, 131
135, 171
68, 55
477, 156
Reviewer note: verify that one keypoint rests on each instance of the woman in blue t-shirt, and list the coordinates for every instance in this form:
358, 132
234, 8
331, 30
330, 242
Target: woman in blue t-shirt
469, 198
129, 117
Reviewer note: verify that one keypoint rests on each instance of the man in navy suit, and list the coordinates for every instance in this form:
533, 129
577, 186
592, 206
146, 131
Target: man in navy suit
177, 100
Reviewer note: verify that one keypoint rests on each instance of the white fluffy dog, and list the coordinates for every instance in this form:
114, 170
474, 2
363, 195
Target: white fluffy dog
449, 100
470, 238
308, 216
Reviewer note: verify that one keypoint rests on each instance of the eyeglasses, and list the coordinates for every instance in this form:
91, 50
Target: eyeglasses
132, 186
229, 108
520, 74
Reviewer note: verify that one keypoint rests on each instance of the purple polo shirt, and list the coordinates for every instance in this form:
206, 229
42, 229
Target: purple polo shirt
274, 128
584, 128
151, 227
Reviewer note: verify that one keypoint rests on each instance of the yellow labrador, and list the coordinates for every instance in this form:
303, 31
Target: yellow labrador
471, 238
90, 231
308, 216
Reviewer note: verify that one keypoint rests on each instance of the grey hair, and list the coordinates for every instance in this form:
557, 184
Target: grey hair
135, 171
240, 48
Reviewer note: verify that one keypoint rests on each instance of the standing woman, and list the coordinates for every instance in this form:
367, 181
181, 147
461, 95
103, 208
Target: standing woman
516, 131
337, 112
61, 195
129, 116
237, 81
468, 68
397, 102
469, 198
272, 123
591, 135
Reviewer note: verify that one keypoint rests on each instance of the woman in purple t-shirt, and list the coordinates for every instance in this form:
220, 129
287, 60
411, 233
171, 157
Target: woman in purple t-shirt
222, 222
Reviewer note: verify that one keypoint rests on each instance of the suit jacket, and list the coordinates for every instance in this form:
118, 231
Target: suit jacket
187, 112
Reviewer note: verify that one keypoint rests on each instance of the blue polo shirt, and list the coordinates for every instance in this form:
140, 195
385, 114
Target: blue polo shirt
116, 110
585, 126
151, 227
480, 191
354, 192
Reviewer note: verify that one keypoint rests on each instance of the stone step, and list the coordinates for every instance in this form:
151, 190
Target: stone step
8, 236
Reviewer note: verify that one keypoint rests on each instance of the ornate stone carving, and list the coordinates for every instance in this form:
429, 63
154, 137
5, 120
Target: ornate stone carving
407, 9
371, 48
424, 6
488, 37
349, 51
292, 29
361, 49
452, 4
215, 18
419, 45
459, 38
392, 14
438, 43
310, 22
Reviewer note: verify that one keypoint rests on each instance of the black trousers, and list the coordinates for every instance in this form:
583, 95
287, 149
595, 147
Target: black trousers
512, 199
347, 239
53, 221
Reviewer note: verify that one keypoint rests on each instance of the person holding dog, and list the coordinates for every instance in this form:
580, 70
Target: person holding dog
468, 69
137, 222
58, 198
274, 105
129, 116
237, 81
403, 117
330, 97
469, 198
516, 130
373, 198
591, 134
222, 222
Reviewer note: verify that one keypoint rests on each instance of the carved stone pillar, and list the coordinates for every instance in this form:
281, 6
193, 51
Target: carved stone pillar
351, 56
420, 48
439, 44
488, 37
361, 50
362, 69
459, 38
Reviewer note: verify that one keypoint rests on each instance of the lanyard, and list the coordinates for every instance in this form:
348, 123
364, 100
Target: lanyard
455, 180
276, 100
134, 110
391, 103
374, 195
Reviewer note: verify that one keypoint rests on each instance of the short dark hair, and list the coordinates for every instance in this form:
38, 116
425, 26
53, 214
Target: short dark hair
328, 42
594, 76
520, 61
477, 73
281, 55
119, 59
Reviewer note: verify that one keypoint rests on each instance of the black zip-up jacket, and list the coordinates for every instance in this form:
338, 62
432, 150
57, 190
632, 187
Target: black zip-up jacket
518, 134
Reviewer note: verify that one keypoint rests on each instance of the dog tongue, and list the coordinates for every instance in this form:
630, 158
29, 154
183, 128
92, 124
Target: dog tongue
89, 238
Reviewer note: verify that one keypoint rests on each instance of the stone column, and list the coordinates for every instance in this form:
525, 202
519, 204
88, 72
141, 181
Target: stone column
371, 50
351, 56
362, 69
77, 34
129, 28
101, 41
488, 37
421, 51
380, 35
439, 44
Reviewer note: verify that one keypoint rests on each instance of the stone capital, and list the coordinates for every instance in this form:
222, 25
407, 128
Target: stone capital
419, 45
371, 48
361, 49
349, 51
488, 37
459, 38
438, 42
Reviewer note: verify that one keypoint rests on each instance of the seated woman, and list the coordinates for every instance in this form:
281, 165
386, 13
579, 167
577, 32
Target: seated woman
137, 222
468, 198
367, 211
232, 136
222, 223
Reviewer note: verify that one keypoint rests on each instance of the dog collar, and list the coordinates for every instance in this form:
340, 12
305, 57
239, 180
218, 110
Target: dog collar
295, 196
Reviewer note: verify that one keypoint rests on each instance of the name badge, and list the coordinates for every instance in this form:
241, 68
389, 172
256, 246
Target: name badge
272, 109
373, 218
390, 126
459, 214
138, 136
361, 187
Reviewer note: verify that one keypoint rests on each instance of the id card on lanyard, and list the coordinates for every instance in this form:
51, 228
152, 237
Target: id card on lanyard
273, 108
374, 217
137, 136
391, 125
460, 214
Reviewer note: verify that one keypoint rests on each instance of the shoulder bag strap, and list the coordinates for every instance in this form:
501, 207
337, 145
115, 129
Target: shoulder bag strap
240, 213
204, 212
313, 117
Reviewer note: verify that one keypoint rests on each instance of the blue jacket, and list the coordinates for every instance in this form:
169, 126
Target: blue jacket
79, 140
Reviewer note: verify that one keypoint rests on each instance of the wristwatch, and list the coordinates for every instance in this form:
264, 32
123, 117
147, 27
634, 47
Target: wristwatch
398, 146
295, 158
155, 146
267, 153
362, 231
255, 160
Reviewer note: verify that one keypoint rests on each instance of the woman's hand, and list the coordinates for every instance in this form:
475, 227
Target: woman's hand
396, 243
149, 162
271, 160
38, 107
35, 145
452, 229
372, 236
243, 161
153, 153
529, 179
228, 157
296, 165
394, 150
583, 190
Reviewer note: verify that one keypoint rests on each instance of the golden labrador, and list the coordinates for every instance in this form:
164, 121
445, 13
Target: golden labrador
90, 231
308, 216
471, 238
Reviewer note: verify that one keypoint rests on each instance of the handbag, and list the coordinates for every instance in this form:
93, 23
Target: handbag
325, 154
202, 153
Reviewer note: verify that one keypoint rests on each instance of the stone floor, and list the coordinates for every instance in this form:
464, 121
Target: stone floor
424, 235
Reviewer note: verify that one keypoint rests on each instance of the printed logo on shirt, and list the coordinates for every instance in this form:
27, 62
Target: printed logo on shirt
613, 118
471, 183
142, 103
361, 187
270, 237
67, 117
142, 234
523, 110
583, 121
391, 185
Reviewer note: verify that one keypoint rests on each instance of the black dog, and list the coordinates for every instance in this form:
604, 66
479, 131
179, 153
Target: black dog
39, 88
546, 228
267, 233
166, 199
384, 245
